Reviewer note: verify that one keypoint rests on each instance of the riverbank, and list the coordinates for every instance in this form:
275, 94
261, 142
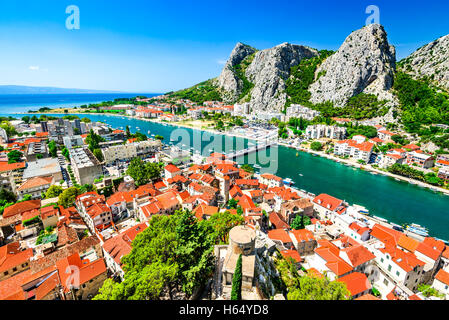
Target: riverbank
199, 126
370, 168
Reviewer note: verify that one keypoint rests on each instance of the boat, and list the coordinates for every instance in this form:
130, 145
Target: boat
397, 227
361, 209
289, 181
301, 175
418, 229
257, 166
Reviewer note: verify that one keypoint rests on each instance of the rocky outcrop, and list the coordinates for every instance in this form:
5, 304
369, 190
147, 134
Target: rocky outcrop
268, 72
364, 63
228, 82
432, 61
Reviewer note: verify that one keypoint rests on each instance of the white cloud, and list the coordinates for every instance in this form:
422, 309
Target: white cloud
37, 68
221, 61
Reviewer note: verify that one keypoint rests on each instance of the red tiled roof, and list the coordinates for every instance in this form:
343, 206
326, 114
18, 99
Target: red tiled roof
204, 210
120, 245
4, 166
407, 261
21, 207
172, 168
279, 234
385, 234
358, 255
277, 221
36, 182
291, 254
408, 243
303, 235
442, 276
367, 296
11, 288
328, 201
12, 258
356, 283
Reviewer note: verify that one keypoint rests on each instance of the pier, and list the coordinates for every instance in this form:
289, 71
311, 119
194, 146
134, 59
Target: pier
256, 148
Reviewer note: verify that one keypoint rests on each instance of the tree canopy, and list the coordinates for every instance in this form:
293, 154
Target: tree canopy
174, 255
142, 172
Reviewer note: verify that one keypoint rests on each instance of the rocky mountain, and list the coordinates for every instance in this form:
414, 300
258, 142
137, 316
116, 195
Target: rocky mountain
364, 63
259, 76
274, 78
228, 81
269, 71
431, 60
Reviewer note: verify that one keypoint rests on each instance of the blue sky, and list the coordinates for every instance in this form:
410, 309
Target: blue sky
158, 46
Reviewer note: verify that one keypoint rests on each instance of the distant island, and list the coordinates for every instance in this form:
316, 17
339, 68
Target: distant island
14, 89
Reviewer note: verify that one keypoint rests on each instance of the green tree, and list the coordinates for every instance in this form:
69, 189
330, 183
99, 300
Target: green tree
319, 288
248, 168
98, 154
9, 128
68, 197
7, 196
232, 203
53, 192
316, 146
65, 152
220, 224
93, 140
53, 149
142, 172
236, 293
174, 254
14, 156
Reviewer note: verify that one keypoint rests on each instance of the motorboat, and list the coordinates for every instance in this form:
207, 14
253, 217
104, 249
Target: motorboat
418, 229
361, 209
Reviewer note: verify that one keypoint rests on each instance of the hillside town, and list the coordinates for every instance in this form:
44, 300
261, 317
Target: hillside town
74, 200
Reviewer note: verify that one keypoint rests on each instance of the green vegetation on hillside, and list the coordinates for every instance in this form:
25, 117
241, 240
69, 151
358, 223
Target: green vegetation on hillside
301, 77
420, 103
204, 91
361, 106
240, 72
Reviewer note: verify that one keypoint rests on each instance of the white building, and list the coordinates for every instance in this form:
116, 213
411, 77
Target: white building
359, 151
318, 131
299, 111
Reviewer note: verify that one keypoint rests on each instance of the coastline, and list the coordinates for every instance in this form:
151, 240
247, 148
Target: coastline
367, 168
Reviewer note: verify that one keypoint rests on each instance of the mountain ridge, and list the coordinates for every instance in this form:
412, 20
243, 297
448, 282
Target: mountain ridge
18, 89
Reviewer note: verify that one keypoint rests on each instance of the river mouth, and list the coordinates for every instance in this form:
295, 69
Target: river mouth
396, 201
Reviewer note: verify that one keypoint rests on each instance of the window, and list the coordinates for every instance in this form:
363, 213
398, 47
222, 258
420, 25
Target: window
381, 259
389, 267
386, 282
397, 273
